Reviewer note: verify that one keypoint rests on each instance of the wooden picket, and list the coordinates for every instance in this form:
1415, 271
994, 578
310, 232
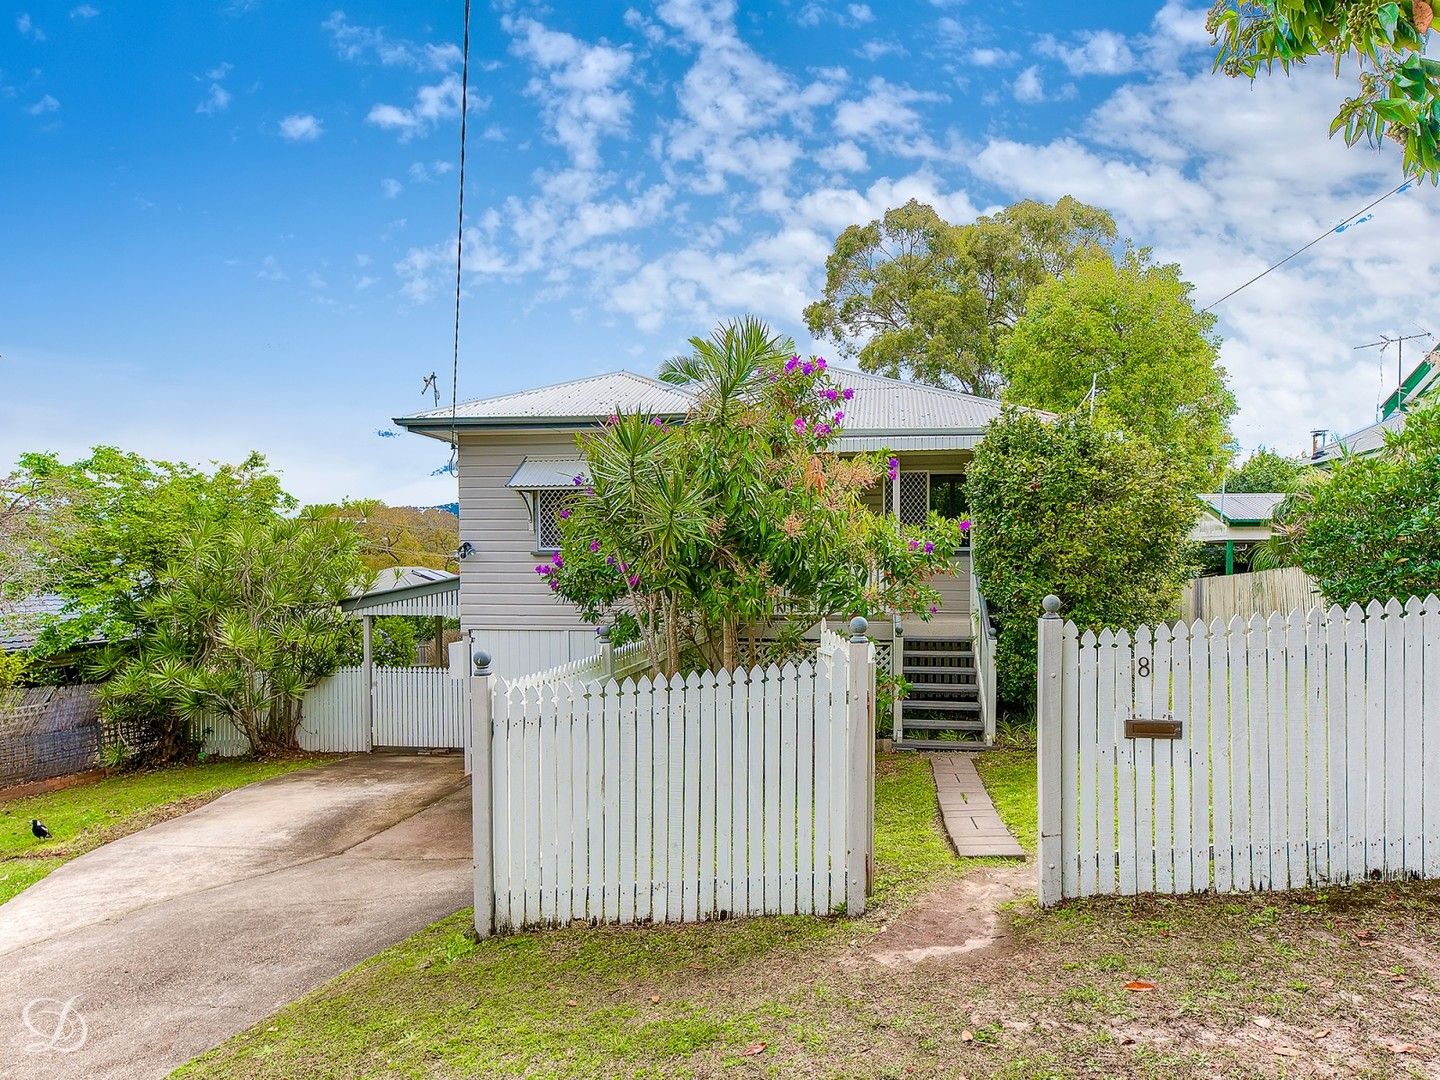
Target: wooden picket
1307, 752
676, 800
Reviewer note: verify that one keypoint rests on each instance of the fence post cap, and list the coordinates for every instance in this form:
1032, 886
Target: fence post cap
858, 626
604, 632
481, 659
1051, 604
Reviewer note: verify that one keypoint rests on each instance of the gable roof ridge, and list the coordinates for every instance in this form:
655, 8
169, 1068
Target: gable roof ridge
444, 410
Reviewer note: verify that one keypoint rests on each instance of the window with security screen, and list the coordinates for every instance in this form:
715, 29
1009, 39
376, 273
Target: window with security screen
912, 497
548, 505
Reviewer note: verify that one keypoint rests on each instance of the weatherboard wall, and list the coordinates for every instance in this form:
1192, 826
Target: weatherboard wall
515, 616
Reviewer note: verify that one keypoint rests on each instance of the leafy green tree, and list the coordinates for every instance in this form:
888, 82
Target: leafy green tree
399, 535
1265, 470
911, 295
115, 522
1398, 96
1371, 529
1128, 330
702, 534
1069, 507
240, 623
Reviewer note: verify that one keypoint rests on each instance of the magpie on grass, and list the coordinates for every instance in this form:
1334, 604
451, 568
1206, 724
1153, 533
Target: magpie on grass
38, 828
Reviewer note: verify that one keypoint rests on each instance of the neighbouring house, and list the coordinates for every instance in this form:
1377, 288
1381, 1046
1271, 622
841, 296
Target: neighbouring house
1236, 522
1421, 386
518, 462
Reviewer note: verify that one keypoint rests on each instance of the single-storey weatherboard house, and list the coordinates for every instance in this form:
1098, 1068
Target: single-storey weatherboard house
517, 462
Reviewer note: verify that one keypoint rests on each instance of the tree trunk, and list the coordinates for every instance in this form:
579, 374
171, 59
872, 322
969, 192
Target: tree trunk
672, 641
729, 643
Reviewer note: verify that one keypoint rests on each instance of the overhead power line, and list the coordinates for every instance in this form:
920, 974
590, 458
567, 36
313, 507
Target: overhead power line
1339, 226
460, 236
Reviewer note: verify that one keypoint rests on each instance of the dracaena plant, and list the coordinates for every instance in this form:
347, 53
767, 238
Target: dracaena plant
704, 532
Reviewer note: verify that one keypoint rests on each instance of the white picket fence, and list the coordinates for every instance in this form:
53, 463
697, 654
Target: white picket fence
415, 707
676, 800
605, 664
1308, 751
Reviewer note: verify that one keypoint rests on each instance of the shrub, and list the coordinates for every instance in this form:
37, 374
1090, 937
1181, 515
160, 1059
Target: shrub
1097, 517
1372, 530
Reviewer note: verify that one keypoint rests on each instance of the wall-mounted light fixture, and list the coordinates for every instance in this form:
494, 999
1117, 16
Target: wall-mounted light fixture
465, 550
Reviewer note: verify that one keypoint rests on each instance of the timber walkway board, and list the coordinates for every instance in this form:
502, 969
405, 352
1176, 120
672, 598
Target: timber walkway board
970, 817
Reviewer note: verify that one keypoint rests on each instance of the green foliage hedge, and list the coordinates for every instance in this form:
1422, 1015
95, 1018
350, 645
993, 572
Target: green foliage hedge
1097, 517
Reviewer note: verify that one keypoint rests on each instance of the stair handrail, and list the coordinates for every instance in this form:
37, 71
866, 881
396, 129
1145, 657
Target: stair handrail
985, 649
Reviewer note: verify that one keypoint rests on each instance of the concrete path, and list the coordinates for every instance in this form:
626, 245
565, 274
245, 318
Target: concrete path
970, 817
168, 941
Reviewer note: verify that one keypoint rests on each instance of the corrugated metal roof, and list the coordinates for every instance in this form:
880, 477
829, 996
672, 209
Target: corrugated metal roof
20, 620
1365, 441
1235, 506
576, 401
854, 444
881, 404
402, 577
409, 590
543, 472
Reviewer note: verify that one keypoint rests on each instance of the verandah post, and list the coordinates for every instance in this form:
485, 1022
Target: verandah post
860, 733
1047, 717
482, 708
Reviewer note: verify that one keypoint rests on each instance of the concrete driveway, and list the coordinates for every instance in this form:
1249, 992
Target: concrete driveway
168, 941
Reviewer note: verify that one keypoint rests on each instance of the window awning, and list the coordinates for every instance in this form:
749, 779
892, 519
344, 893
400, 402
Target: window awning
541, 473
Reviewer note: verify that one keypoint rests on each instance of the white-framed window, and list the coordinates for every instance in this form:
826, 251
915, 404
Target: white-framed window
912, 497
548, 504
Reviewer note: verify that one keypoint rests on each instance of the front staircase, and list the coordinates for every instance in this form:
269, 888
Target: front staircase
942, 710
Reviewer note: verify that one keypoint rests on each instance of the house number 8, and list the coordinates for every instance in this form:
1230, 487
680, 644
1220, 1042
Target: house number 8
1142, 667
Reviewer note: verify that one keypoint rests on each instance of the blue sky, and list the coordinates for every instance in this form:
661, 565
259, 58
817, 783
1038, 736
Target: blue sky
231, 226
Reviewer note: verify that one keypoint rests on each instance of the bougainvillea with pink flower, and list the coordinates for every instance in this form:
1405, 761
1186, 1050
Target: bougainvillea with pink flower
699, 535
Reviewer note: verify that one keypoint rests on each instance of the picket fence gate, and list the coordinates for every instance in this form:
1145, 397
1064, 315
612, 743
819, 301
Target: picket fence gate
675, 800
1275, 753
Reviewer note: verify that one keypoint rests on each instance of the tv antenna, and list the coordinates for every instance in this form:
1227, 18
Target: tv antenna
1398, 340
431, 385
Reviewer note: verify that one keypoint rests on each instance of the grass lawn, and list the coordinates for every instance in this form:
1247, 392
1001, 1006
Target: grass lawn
1345, 983
83, 817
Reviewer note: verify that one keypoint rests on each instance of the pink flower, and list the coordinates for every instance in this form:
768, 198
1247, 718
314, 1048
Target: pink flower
657, 421
965, 526
634, 580
831, 394
820, 363
893, 468
578, 480
612, 420
822, 429
914, 544
542, 570
792, 363
557, 560
554, 586
848, 393
800, 425
840, 415
933, 609
929, 548
564, 515
594, 545
807, 368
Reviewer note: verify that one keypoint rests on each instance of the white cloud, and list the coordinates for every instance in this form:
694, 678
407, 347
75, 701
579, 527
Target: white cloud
364, 281
270, 270
363, 43
84, 11
578, 86
217, 100
1093, 52
423, 173
876, 49
301, 127
27, 28
46, 104
433, 103
988, 57
887, 116
860, 13
1174, 159
1028, 87
391, 188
